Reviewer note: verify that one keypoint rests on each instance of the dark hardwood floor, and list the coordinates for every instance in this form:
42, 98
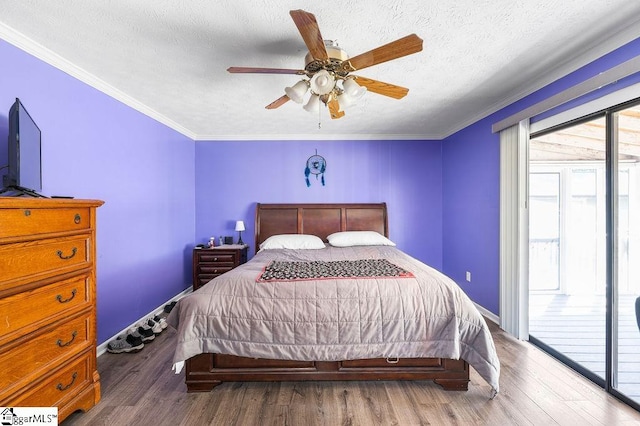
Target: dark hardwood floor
141, 389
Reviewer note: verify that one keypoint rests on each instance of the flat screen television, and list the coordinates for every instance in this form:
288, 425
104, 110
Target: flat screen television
24, 173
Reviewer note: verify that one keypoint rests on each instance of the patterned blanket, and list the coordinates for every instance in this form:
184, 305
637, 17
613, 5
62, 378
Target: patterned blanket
363, 268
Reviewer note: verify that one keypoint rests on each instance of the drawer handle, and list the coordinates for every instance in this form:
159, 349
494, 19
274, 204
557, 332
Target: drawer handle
61, 256
215, 259
73, 294
62, 387
394, 360
77, 219
73, 337
27, 212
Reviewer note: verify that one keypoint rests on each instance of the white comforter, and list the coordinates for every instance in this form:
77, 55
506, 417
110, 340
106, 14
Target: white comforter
335, 319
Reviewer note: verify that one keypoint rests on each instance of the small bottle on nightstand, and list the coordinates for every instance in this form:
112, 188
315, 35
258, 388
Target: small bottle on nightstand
212, 242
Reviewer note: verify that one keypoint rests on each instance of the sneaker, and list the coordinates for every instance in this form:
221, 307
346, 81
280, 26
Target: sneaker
145, 333
126, 344
169, 307
155, 326
134, 339
160, 320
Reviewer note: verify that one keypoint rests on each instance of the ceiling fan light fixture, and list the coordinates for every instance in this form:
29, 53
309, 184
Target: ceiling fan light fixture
326, 74
297, 91
345, 100
322, 82
313, 104
353, 89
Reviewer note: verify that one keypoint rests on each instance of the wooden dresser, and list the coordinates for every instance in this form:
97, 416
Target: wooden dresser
48, 304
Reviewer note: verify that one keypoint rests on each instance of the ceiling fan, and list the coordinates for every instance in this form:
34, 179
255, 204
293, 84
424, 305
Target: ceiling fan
327, 70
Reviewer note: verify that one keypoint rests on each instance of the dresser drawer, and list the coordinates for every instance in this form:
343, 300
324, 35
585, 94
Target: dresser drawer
32, 357
38, 259
392, 363
24, 312
239, 362
18, 222
218, 258
59, 388
213, 270
201, 279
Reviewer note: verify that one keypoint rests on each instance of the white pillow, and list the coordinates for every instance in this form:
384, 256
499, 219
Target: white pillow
358, 238
292, 241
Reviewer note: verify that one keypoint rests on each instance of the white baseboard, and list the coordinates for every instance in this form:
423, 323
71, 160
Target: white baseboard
102, 348
488, 314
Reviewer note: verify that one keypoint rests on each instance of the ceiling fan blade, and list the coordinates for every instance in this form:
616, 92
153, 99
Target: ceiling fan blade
235, 70
382, 88
278, 102
334, 108
396, 49
310, 32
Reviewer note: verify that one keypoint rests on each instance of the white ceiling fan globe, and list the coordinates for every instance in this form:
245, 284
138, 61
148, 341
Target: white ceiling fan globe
322, 82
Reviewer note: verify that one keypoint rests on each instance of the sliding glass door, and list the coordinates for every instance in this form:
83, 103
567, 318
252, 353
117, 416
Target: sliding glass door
626, 325
584, 246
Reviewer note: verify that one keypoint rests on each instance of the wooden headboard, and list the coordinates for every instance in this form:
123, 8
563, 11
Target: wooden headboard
319, 219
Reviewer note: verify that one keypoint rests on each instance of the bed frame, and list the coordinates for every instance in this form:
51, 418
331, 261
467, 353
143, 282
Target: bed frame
205, 371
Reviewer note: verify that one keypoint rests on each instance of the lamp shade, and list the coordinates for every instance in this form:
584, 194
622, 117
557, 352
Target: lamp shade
296, 93
353, 89
345, 100
313, 104
322, 82
239, 225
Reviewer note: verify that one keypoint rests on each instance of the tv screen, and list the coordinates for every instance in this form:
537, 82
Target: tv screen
24, 171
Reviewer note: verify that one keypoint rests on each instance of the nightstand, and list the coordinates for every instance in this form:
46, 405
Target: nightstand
208, 263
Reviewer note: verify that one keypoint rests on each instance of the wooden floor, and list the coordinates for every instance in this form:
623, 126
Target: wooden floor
141, 389
575, 326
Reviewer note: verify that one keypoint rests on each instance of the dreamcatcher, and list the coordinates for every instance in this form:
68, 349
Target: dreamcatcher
316, 165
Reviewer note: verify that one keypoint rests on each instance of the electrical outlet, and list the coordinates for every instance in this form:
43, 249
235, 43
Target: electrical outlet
468, 276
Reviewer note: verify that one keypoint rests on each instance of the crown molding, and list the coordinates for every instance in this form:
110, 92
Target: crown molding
35, 49
316, 137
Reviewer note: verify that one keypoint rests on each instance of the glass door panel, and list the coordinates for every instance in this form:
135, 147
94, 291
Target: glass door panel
567, 305
544, 231
585, 232
626, 341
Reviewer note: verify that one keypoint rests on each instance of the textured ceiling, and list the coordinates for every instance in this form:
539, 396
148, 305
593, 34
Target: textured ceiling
168, 59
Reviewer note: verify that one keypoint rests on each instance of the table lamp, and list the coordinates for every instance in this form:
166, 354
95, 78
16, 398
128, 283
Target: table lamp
240, 228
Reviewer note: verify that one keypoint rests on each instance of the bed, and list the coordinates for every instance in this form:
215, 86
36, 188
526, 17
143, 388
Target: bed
414, 325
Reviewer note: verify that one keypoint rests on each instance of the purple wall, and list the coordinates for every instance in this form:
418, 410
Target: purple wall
96, 147
231, 177
471, 210
471, 188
